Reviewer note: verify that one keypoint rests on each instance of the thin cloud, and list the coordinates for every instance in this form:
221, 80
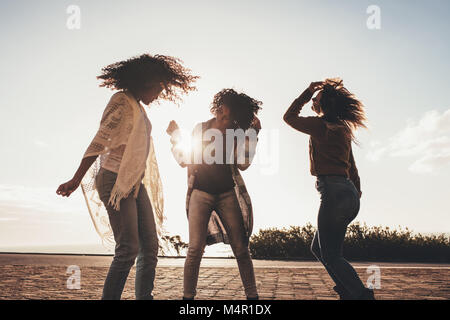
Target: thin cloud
426, 141
31, 199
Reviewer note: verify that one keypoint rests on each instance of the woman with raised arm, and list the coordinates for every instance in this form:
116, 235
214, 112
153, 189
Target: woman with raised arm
218, 205
332, 162
127, 169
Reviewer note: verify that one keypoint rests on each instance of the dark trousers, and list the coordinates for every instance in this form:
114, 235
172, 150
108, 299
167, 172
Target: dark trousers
338, 207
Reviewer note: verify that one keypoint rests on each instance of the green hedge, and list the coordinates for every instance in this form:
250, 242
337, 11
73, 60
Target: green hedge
362, 243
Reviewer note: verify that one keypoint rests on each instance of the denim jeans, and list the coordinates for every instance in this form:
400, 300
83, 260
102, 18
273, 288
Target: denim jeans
227, 207
338, 207
135, 235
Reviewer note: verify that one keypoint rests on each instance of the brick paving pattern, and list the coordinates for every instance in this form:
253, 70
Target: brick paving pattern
49, 282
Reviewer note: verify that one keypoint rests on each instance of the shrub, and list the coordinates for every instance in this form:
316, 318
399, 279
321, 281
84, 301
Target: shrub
361, 243
169, 244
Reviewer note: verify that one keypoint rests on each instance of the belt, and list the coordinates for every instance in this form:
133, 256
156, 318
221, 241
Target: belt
332, 177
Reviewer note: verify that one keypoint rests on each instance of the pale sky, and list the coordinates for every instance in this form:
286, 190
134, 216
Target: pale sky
51, 103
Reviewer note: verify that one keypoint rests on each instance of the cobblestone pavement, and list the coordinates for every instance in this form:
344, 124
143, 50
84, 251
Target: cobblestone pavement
33, 281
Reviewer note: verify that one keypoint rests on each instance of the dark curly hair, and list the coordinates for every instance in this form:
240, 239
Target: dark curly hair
134, 73
339, 106
243, 108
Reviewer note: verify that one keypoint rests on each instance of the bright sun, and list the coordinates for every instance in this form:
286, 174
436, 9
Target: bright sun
185, 141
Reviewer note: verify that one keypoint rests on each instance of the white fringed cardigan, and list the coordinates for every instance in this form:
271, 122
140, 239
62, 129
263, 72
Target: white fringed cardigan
124, 122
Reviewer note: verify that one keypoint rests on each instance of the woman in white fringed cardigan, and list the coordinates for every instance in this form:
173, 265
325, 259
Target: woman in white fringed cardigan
122, 183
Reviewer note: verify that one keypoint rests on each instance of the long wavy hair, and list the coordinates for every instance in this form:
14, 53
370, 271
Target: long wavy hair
340, 107
134, 73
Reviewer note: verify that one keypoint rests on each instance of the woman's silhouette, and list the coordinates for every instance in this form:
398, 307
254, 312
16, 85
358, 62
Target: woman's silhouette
331, 160
125, 147
218, 205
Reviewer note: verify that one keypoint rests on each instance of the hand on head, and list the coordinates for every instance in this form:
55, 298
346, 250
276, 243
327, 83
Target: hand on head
315, 86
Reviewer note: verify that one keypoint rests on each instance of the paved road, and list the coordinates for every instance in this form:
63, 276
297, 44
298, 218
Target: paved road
34, 276
105, 261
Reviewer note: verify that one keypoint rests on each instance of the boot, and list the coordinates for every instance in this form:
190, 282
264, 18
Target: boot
342, 292
367, 295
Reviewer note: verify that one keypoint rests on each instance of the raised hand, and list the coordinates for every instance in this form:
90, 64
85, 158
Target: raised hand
173, 126
256, 124
315, 86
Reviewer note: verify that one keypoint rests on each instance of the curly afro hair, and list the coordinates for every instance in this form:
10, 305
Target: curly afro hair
243, 108
134, 73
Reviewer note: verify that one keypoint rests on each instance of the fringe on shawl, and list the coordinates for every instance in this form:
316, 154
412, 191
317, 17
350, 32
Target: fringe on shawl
96, 208
117, 194
153, 184
97, 211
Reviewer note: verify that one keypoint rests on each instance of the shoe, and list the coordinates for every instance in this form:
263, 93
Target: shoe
184, 298
253, 298
342, 292
367, 294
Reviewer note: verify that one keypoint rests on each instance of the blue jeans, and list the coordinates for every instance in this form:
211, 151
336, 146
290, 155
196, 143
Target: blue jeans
135, 235
338, 207
227, 207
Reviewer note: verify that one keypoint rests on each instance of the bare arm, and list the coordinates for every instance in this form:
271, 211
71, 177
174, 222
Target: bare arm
110, 123
180, 155
70, 186
249, 147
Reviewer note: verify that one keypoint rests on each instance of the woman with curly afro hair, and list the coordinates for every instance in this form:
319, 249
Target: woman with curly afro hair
218, 205
332, 162
125, 175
